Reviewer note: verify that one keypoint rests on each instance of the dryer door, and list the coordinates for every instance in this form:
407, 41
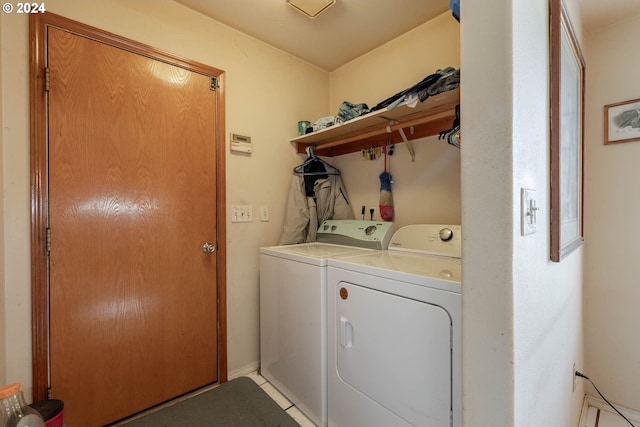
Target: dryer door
395, 351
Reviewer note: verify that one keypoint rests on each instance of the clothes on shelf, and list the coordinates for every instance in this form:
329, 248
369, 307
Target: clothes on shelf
441, 81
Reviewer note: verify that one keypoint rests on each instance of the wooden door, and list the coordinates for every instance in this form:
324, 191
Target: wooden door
132, 201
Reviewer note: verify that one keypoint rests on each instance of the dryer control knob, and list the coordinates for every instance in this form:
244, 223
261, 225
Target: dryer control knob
370, 230
446, 234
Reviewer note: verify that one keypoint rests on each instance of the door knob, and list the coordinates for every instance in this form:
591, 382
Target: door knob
208, 248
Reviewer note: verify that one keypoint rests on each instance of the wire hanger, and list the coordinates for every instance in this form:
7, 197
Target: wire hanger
452, 136
312, 158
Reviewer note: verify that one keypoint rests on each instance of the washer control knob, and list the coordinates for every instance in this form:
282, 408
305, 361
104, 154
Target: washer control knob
370, 230
446, 234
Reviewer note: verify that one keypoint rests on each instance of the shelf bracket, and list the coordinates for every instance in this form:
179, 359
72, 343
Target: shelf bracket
404, 139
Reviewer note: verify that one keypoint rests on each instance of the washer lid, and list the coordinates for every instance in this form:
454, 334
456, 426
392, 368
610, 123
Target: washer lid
430, 239
311, 253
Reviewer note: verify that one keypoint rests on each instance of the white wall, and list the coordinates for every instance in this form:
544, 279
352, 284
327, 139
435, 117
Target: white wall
424, 191
612, 213
263, 87
522, 318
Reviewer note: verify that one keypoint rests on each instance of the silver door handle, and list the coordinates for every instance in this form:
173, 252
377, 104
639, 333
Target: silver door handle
208, 248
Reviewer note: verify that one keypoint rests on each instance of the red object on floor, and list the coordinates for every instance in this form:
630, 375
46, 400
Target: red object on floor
51, 410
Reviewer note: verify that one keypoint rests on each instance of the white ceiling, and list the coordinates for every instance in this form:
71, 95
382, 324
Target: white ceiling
351, 28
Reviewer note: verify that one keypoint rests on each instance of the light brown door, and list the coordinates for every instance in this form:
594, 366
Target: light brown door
132, 201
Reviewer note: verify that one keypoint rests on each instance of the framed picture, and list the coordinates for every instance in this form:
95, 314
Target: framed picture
567, 134
622, 122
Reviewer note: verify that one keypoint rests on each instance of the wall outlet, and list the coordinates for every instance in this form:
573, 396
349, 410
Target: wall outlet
241, 213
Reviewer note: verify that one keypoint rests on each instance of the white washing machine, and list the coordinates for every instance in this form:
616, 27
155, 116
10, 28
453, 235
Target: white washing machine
293, 309
394, 332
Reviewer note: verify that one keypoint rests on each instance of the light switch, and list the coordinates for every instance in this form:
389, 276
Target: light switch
241, 213
528, 211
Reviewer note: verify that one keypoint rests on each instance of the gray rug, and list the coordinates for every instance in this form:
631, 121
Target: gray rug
237, 403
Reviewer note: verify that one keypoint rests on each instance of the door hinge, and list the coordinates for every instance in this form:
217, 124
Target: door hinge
47, 77
213, 85
48, 240
49, 393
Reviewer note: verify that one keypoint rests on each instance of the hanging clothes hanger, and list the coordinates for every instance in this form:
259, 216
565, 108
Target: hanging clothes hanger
310, 165
452, 136
455, 137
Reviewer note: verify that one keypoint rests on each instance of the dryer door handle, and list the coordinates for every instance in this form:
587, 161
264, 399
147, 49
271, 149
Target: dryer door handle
346, 332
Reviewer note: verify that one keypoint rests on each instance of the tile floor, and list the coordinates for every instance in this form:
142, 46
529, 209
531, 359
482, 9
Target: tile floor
284, 403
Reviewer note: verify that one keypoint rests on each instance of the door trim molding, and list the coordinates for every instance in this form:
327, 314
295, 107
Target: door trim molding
38, 24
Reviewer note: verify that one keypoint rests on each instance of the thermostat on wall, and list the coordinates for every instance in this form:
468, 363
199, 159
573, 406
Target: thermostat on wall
241, 143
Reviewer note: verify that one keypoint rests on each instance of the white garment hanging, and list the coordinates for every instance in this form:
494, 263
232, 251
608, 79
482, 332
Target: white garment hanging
304, 214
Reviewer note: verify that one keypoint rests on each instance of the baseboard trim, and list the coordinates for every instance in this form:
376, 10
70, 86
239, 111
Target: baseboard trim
241, 372
598, 403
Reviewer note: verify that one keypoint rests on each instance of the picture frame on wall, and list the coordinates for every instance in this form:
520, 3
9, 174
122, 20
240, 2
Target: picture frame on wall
567, 76
622, 122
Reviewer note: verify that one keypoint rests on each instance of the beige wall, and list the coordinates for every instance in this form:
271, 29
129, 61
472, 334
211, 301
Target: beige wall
3, 322
612, 226
424, 191
398, 64
263, 87
16, 192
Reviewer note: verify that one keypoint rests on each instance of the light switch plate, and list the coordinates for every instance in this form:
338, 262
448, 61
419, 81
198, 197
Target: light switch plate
528, 211
241, 213
264, 213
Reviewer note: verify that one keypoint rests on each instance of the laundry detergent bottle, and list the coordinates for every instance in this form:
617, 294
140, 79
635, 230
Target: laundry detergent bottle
14, 412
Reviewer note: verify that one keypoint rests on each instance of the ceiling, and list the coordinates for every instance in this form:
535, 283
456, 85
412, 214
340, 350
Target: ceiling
345, 31
351, 28
601, 13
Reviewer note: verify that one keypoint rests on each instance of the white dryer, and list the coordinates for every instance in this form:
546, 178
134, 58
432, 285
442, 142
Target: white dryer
394, 332
293, 309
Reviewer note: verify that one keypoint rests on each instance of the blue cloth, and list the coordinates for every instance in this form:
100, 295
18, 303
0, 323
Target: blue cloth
385, 181
454, 5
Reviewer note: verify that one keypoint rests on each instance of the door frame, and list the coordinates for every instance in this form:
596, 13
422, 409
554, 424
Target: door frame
38, 24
